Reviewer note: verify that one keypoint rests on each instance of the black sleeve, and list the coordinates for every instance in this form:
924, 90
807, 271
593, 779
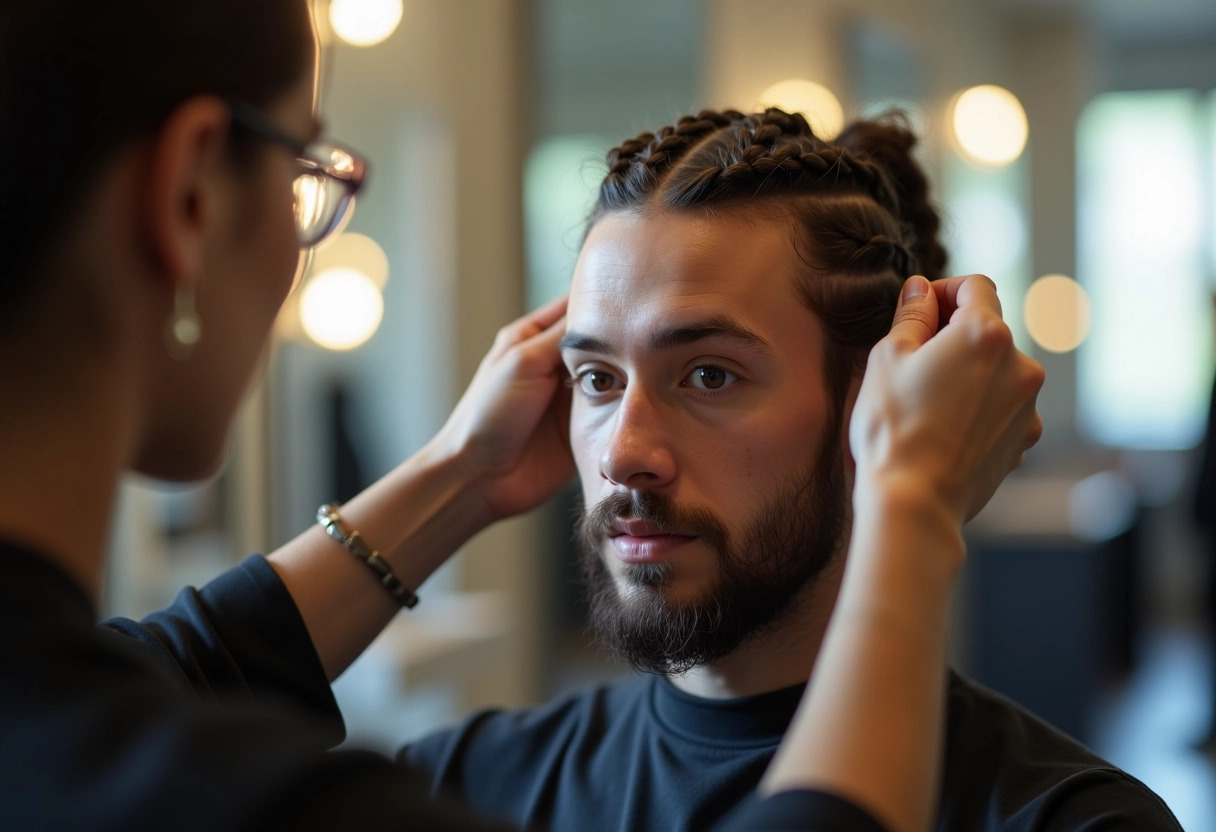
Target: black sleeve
1102, 800
135, 757
240, 636
805, 810
179, 722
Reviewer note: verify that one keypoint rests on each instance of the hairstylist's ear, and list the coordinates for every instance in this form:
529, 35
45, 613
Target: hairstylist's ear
181, 193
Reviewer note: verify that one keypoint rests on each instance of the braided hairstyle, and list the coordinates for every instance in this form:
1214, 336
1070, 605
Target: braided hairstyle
859, 204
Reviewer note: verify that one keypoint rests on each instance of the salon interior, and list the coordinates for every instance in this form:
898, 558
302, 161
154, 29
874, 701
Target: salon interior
1071, 146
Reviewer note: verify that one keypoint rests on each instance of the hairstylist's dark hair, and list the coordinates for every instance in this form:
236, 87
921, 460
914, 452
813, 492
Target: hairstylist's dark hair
80, 78
862, 219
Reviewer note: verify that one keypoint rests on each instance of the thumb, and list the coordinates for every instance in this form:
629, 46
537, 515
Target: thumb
916, 315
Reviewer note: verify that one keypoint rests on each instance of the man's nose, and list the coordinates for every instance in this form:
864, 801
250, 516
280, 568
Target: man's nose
638, 454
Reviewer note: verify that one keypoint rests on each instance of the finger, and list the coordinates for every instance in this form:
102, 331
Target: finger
547, 314
915, 319
1026, 428
966, 290
541, 353
559, 409
1033, 375
529, 325
983, 331
1020, 428
1036, 431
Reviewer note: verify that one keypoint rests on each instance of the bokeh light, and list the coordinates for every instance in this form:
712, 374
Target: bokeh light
341, 308
815, 101
990, 125
353, 251
1057, 313
365, 22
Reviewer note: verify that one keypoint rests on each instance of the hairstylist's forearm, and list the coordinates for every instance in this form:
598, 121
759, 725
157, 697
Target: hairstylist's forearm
503, 451
869, 728
417, 516
944, 413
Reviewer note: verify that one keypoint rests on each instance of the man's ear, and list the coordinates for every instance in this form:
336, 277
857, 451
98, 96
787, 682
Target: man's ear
181, 191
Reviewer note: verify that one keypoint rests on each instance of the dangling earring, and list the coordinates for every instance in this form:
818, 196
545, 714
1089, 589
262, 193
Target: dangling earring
184, 330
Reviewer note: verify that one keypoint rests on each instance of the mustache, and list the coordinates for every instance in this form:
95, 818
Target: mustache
595, 524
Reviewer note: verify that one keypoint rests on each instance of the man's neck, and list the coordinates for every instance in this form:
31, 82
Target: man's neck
783, 656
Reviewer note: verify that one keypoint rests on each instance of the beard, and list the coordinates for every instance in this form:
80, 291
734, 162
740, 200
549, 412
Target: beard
759, 573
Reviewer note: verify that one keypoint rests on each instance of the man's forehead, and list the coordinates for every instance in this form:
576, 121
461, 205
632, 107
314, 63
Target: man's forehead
671, 334
682, 260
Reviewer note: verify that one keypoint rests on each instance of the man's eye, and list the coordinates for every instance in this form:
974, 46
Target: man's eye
593, 382
709, 377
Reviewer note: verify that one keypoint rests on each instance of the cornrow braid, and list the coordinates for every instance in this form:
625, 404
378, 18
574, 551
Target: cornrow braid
762, 168
636, 166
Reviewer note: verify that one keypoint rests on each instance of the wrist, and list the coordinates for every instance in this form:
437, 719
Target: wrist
420, 513
902, 527
455, 484
903, 494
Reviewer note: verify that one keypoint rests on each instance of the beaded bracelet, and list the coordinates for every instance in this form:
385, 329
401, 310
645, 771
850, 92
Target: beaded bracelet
331, 520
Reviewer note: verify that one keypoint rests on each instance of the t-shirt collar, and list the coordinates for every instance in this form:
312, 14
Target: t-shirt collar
746, 720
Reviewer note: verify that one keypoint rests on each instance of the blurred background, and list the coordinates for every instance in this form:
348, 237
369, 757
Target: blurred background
1072, 144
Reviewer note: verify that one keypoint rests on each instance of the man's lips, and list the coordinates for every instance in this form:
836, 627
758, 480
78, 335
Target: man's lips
639, 541
637, 528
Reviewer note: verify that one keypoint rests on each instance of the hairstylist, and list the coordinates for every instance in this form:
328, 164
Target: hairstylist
152, 149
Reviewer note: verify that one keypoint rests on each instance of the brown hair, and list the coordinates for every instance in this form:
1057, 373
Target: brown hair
862, 218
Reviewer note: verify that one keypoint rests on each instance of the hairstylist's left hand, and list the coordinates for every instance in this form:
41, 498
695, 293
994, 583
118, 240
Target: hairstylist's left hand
947, 407
510, 428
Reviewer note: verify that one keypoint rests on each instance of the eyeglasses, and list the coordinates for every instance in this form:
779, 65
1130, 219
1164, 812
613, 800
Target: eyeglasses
328, 179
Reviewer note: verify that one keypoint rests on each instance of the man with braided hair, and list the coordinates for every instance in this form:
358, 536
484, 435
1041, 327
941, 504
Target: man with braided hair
737, 271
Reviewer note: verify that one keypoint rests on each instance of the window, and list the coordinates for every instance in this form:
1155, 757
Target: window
1144, 210
560, 186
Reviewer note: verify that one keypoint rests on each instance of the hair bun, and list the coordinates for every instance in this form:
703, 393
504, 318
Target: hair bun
888, 141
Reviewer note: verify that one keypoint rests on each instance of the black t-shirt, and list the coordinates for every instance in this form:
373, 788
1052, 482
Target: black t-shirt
642, 755
214, 714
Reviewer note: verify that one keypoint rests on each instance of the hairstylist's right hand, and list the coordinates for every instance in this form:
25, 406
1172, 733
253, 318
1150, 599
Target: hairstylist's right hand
510, 428
947, 407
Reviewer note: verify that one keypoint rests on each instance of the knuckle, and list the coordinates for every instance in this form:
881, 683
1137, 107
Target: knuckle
1032, 376
983, 281
512, 361
1038, 374
989, 333
888, 349
1035, 433
505, 336
917, 314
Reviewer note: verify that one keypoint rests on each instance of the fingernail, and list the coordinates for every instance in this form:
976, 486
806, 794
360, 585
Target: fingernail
915, 287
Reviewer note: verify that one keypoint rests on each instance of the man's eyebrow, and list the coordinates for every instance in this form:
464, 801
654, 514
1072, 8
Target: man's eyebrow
719, 326
583, 343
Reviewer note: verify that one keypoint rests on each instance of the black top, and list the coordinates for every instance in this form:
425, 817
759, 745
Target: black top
212, 714
642, 755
